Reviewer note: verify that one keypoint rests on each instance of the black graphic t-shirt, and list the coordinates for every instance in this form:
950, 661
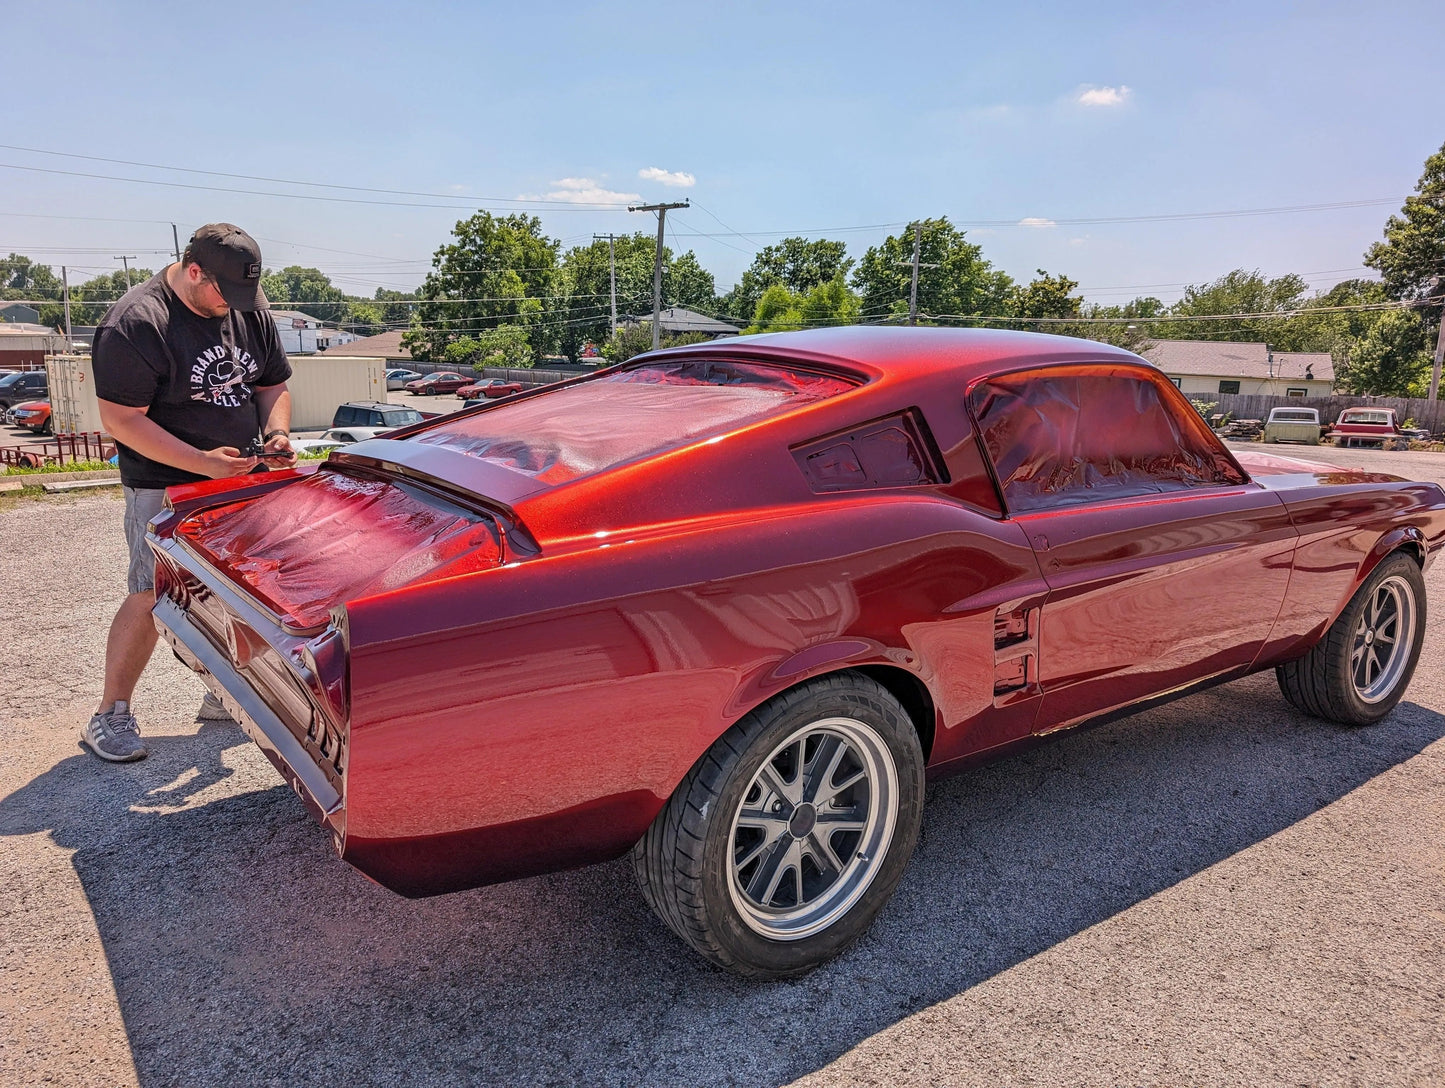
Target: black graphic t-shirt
196, 376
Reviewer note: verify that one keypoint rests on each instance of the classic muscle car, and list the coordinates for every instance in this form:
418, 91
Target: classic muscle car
724, 606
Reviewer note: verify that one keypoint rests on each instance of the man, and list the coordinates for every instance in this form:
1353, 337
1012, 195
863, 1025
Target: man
189, 370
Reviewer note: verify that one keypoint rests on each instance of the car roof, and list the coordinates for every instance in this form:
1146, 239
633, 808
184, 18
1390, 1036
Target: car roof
382, 404
916, 352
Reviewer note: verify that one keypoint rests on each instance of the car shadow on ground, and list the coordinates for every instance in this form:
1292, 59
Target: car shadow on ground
242, 952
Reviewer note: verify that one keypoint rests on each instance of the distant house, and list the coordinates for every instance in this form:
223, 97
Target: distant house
676, 320
18, 313
302, 334
386, 346
25, 346
1209, 367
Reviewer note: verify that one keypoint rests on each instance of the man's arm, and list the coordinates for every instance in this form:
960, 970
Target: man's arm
138, 431
273, 402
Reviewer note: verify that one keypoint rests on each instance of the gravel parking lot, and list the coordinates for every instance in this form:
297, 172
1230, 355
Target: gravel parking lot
1217, 892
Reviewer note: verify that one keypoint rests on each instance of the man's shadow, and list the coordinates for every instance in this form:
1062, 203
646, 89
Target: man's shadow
244, 952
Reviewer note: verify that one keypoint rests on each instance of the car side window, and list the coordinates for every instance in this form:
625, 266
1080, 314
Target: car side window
1075, 434
346, 415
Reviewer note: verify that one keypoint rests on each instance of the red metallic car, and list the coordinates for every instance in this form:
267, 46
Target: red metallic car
443, 381
725, 607
34, 414
490, 388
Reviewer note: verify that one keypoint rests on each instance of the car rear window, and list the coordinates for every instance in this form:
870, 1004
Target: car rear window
1069, 435
398, 419
577, 430
1293, 415
1364, 416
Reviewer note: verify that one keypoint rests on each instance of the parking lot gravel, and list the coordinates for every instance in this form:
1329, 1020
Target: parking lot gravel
1220, 891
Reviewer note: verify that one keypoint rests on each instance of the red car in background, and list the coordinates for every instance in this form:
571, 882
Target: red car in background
1376, 427
443, 381
725, 606
34, 414
490, 388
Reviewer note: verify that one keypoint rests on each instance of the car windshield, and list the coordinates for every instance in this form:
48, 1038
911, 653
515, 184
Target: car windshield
9, 380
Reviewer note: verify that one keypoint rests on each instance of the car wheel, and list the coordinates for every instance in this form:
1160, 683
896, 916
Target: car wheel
1358, 672
785, 840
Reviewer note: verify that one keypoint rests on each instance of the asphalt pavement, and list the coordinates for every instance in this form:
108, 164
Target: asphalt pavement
1220, 891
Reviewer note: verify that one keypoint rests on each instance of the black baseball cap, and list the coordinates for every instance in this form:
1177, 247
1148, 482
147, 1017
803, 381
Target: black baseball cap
232, 258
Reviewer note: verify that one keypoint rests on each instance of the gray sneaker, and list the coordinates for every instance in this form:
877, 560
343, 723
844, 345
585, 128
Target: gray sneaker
114, 734
212, 710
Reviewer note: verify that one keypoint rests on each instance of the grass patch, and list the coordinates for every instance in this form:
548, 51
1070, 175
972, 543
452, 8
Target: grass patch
69, 466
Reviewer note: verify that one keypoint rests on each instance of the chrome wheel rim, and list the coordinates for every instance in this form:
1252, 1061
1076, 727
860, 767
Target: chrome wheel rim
812, 829
1384, 634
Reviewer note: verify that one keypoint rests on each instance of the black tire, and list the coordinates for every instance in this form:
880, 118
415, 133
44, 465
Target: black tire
688, 862
1333, 680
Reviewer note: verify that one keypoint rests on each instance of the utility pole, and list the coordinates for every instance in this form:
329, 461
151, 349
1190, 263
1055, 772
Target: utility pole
913, 288
125, 263
176, 238
661, 210
65, 294
612, 271
1439, 293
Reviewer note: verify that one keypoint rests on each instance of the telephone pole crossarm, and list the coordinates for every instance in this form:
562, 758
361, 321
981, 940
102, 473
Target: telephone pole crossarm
661, 210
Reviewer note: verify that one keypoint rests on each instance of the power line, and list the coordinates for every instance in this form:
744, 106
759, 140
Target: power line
562, 205
313, 184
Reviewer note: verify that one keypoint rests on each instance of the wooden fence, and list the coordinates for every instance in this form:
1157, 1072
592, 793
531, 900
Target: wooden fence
1429, 414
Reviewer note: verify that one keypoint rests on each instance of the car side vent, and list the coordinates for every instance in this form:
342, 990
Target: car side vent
891, 452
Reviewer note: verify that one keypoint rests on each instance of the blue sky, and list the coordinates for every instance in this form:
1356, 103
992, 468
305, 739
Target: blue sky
773, 119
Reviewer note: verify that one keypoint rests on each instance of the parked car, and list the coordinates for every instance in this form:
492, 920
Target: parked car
1367, 427
722, 607
397, 377
34, 414
361, 413
489, 388
337, 436
1293, 425
443, 381
26, 385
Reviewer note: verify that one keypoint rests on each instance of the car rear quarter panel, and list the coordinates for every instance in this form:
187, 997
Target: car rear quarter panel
539, 715
1345, 529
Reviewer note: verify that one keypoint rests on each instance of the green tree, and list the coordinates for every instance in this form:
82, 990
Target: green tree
583, 304
505, 345
86, 298
686, 283
306, 290
1413, 252
954, 278
364, 318
1046, 296
1391, 359
497, 270
1240, 292
830, 303
394, 306
799, 264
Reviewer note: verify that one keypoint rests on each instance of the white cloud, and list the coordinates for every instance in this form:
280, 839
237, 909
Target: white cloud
674, 179
1035, 221
583, 191
1103, 96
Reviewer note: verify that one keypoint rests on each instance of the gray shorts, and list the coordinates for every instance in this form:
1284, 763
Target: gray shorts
141, 504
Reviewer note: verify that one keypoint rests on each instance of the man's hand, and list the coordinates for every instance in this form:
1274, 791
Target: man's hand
279, 453
223, 462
